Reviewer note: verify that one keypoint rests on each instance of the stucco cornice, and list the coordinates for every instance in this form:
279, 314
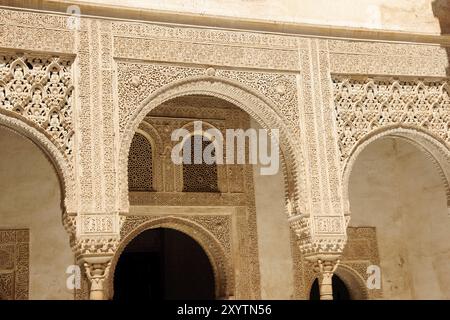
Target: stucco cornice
214, 21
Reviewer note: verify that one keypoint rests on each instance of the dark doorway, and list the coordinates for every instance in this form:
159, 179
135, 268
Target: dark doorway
163, 264
340, 291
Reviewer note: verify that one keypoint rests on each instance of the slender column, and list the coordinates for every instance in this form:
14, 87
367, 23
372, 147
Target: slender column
326, 270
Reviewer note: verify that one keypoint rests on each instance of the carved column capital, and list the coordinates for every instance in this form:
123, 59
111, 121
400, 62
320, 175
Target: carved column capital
326, 269
95, 254
97, 270
320, 237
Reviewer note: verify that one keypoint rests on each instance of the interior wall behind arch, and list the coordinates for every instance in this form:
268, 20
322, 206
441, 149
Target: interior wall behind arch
395, 187
274, 243
30, 198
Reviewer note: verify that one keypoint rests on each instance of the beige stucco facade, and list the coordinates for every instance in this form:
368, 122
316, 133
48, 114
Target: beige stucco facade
359, 94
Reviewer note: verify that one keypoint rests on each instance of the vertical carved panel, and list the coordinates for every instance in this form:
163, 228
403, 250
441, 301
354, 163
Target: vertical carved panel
14, 264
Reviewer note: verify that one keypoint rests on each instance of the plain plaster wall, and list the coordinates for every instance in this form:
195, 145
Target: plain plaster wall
30, 198
274, 248
397, 189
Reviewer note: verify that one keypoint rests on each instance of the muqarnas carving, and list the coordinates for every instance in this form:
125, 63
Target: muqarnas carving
367, 104
39, 91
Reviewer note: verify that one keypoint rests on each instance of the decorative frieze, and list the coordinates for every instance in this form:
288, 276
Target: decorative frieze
35, 31
382, 58
97, 224
95, 245
203, 35
363, 105
201, 53
329, 224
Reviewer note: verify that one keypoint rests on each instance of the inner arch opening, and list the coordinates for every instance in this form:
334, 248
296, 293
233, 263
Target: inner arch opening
395, 187
163, 264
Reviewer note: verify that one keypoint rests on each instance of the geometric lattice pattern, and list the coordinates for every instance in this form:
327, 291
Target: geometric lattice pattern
140, 164
365, 105
39, 90
199, 177
14, 264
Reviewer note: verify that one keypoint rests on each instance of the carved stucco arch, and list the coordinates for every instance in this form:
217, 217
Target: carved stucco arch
250, 101
434, 147
152, 135
220, 262
56, 158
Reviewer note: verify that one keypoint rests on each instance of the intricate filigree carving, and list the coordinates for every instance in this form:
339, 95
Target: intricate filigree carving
97, 224
270, 97
236, 185
189, 34
14, 264
35, 31
96, 245
326, 240
200, 177
280, 88
140, 164
40, 91
360, 252
365, 105
150, 77
174, 51
381, 58
259, 108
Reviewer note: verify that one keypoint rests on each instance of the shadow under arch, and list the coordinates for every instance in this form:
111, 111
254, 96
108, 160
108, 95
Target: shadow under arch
355, 283
435, 148
53, 155
256, 105
220, 262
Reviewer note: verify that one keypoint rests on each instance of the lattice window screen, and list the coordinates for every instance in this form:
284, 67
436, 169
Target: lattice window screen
140, 164
199, 177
